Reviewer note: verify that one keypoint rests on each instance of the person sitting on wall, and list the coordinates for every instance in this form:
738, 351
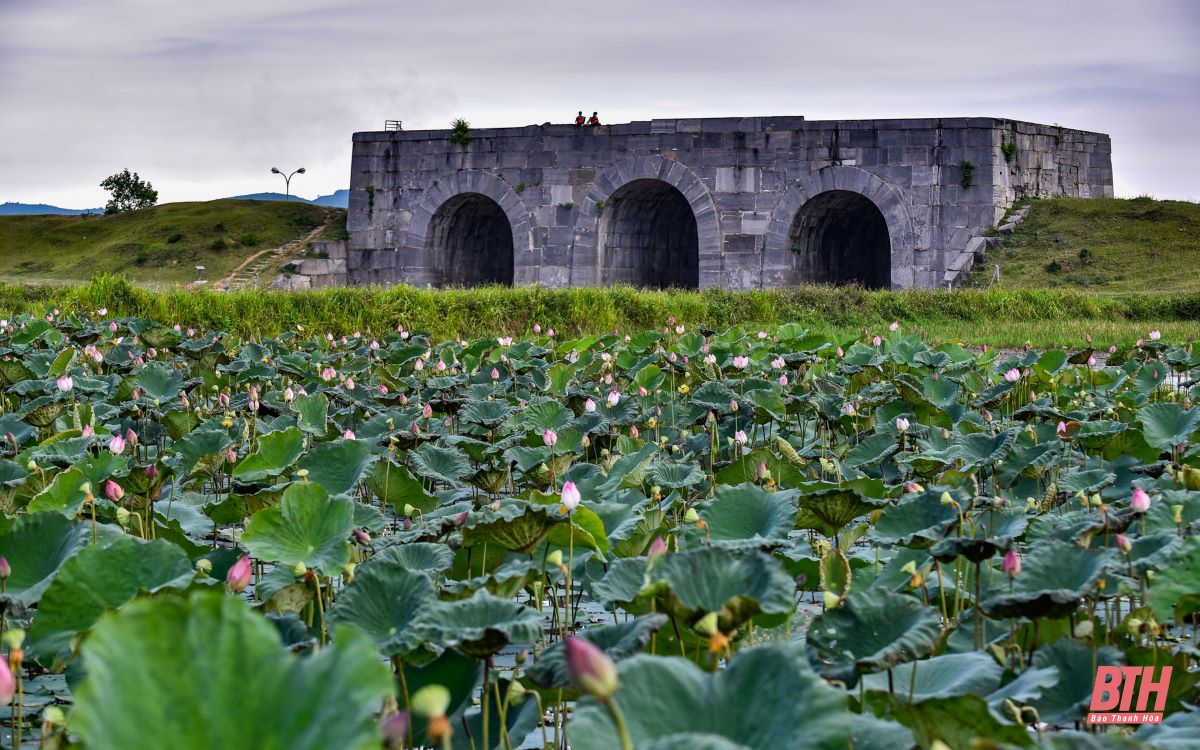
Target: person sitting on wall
580, 120
593, 120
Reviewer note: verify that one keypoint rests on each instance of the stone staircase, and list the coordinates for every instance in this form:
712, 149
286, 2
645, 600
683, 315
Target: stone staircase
257, 271
959, 267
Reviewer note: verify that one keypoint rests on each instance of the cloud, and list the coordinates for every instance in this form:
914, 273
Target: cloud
203, 98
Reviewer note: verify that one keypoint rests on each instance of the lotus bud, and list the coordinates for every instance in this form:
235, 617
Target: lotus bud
733, 405
152, 471
657, 549
361, 537
1140, 501
913, 487
1011, 564
902, 424
585, 441
5, 568
762, 471
633, 431
204, 566
113, 491
299, 570
394, 728
8, 686
590, 668
461, 518
238, 577
430, 701
570, 496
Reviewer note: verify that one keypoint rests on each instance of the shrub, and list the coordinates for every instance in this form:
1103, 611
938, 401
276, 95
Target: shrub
248, 240
460, 132
174, 238
1054, 267
218, 244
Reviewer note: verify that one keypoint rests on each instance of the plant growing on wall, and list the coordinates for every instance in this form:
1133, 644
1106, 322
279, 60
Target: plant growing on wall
1009, 149
370, 201
460, 132
968, 173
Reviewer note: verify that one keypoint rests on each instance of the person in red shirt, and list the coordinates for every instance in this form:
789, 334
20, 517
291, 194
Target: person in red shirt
593, 120
580, 120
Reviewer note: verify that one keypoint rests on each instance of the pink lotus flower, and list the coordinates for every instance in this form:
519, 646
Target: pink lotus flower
87, 431
589, 406
642, 392
1123, 544
8, 686
1061, 429
633, 431
1155, 335
537, 327
902, 424
570, 496
740, 437
679, 329
230, 456
427, 410
589, 668
349, 384
876, 341
495, 374
112, 326
895, 326
1012, 375
840, 353
549, 437
762, 335
778, 363
238, 577
710, 359
849, 410
613, 398
117, 445
383, 389
288, 394
1091, 361
783, 380
5, 568
348, 435
657, 548
1140, 501
131, 437
1011, 564
102, 311
441, 366
741, 362
65, 384
113, 491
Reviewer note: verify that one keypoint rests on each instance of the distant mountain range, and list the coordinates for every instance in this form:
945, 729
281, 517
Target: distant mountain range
339, 199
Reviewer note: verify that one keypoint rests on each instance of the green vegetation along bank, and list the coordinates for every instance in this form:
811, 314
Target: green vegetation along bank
994, 317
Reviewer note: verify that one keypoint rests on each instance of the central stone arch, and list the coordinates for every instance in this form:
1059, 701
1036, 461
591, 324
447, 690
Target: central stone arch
648, 221
840, 225
469, 228
648, 238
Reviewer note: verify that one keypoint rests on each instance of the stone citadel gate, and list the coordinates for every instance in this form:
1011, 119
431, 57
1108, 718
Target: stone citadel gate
738, 203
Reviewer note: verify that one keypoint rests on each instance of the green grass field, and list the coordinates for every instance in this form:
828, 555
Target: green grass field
1101, 245
157, 247
999, 318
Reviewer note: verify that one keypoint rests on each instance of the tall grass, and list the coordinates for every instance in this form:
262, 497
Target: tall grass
1015, 315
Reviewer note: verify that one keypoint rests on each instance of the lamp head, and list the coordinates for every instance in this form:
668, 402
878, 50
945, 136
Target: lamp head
300, 170
275, 170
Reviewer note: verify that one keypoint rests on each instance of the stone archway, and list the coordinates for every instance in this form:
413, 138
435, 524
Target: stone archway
841, 237
648, 238
627, 189
840, 225
470, 241
463, 209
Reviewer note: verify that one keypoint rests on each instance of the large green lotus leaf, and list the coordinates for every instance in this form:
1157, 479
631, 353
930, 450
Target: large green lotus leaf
276, 452
337, 466
940, 677
312, 413
503, 581
828, 507
36, 545
958, 722
671, 702
236, 507
622, 582
383, 601
1168, 425
197, 447
746, 516
1070, 697
584, 530
420, 557
158, 382
546, 414
99, 578
872, 630
983, 449
519, 526
1085, 481
307, 527
479, 626
1054, 578
870, 733
994, 531
713, 579
1097, 433
63, 494
918, 521
447, 465
1176, 732
488, 413
397, 486
220, 678
871, 450
1175, 594
672, 475
618, 641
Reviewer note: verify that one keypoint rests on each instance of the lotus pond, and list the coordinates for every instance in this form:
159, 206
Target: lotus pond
677, 539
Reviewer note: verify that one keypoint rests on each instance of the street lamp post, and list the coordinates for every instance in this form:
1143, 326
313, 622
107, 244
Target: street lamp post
287, 180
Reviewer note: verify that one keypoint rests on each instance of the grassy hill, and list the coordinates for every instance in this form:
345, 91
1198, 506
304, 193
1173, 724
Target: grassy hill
158, 246
1101, 245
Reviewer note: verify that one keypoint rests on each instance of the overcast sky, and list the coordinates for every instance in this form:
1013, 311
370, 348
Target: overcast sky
204, 97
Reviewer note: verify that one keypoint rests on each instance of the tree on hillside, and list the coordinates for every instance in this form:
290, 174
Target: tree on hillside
129, 193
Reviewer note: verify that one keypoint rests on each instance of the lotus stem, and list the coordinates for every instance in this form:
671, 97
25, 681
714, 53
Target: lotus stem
619, 721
